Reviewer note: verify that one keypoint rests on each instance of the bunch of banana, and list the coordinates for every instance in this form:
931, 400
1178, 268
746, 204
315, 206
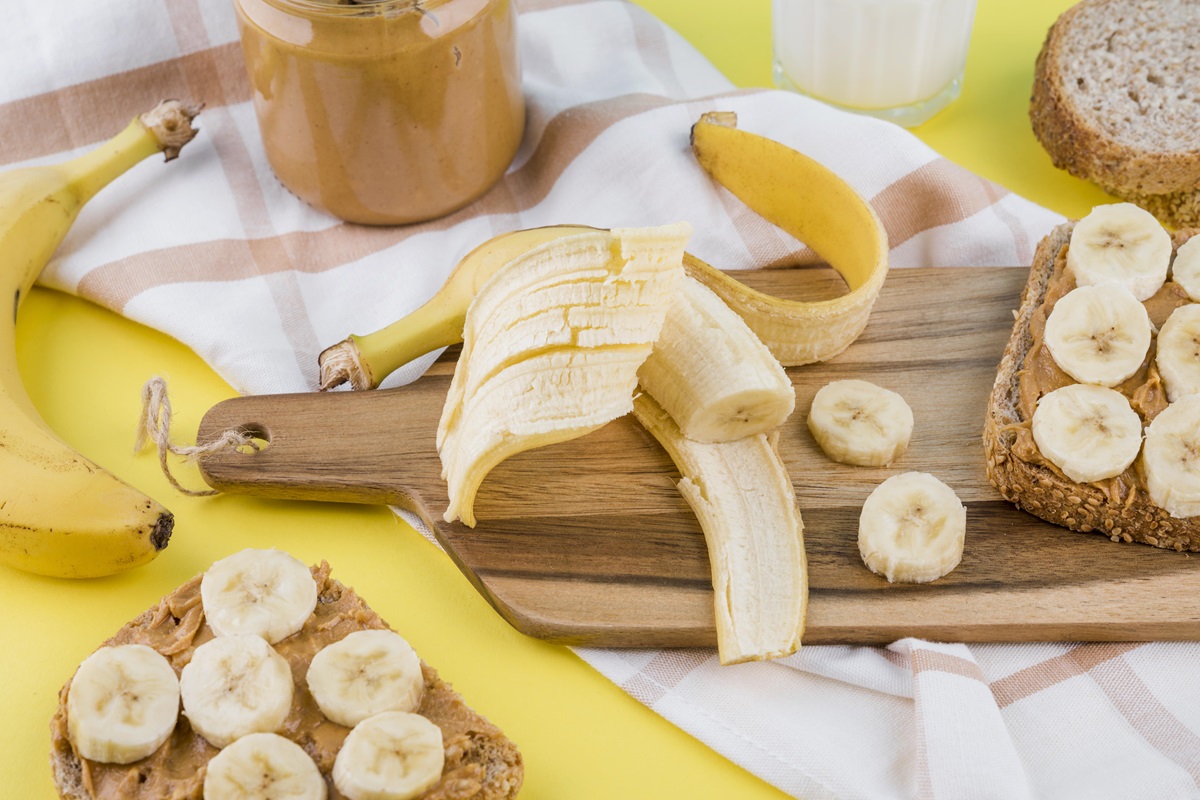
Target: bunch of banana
552, 347
61, 514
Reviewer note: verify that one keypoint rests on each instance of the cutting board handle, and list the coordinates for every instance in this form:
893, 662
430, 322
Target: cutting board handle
380, 454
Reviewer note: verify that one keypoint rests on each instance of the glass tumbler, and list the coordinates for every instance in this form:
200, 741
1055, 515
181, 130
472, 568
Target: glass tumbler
900, 60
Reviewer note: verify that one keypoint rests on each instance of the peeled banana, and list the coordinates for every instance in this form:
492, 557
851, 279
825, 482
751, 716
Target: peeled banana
743, 497
791, 190
516, 388
61, 514
364, 361
711, 373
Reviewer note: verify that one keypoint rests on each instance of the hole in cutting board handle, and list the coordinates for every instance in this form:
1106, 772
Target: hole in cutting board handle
260, 435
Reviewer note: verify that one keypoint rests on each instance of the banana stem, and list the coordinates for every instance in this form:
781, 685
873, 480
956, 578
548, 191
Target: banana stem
166, 128
365, 361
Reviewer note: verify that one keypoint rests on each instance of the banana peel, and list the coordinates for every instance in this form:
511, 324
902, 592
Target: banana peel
796, 193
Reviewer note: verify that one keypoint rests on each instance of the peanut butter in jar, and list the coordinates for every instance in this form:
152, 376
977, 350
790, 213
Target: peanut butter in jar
385, 112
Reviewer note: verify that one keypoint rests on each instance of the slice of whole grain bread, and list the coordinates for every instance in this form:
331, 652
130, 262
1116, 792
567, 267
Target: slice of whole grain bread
1041, 490
1116, 100
481, 762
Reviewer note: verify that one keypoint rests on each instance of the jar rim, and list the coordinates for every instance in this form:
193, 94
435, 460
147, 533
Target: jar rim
371, 8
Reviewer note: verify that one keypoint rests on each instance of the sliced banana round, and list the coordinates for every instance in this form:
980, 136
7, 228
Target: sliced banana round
1171, 457
856, 422
265, 592
391, 756
235, 685
912, 528
1089, 432
122, 704
365, 674
1179, 352
1185, 269
1120, 243
1098, 334
263, 766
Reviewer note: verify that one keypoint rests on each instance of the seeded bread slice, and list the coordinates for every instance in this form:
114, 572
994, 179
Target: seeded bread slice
481, 762
1041, 490
1116, 100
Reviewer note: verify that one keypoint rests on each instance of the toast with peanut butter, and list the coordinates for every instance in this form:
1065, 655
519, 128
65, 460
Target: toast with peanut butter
476, 760
1036, 456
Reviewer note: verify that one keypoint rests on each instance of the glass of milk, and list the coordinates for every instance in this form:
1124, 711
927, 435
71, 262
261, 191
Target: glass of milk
901, 60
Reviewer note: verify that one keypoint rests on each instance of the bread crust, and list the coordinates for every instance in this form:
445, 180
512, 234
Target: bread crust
1166, 183
481, 763
1040, 490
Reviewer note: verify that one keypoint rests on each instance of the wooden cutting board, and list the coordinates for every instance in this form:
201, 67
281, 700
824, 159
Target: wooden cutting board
588, 542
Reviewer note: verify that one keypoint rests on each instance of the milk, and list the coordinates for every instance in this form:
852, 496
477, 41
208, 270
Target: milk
904, 56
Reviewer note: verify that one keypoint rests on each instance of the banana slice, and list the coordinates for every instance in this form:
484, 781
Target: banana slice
1171, 458
1098, 334
265, 592
1179, 352
365, 674
856, 422
263, 766
391, 756
1185, 270
235, 685
122, 704
1089, 432
912, 529
1120, 243
711, 373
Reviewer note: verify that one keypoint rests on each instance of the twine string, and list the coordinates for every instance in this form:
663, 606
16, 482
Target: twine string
156, 427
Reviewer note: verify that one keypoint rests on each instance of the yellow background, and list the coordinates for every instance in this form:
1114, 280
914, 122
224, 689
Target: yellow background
582, 737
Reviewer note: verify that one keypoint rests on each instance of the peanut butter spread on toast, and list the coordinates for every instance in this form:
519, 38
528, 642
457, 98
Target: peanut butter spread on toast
1040, 375
176, 626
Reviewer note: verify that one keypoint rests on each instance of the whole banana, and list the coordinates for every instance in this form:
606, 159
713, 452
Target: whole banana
61, 514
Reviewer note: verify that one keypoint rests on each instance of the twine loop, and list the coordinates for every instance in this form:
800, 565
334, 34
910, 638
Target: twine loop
156, 427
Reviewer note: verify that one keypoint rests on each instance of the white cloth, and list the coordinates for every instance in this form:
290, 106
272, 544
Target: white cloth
214, 252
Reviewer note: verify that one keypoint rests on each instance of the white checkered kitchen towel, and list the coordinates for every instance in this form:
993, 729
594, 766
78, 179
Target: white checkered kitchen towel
218, 255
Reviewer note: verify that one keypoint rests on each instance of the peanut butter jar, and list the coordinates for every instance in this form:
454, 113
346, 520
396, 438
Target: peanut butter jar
385, 112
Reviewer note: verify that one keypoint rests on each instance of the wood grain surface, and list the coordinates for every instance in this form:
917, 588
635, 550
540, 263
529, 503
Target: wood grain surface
588, 542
